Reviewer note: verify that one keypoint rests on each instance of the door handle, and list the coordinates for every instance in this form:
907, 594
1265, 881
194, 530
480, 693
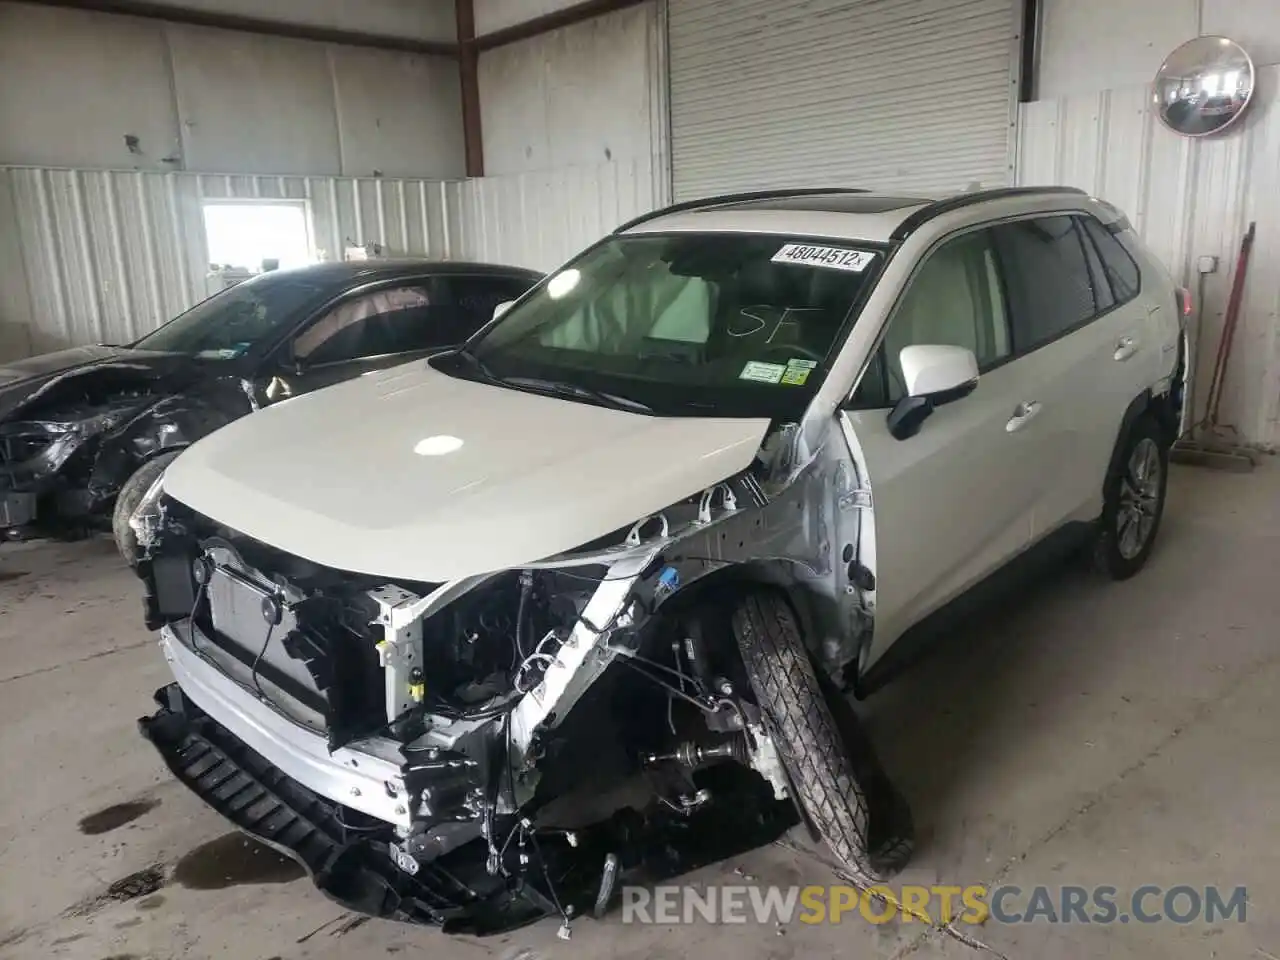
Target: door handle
1126, 347
1023, 414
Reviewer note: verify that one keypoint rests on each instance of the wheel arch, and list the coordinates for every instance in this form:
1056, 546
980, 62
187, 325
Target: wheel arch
1142, 405
811, 607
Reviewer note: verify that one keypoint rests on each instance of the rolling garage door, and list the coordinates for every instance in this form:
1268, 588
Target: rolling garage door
899, 94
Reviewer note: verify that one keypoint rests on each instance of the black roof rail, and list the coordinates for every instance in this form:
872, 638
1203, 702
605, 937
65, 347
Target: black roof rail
728, 198
961, 200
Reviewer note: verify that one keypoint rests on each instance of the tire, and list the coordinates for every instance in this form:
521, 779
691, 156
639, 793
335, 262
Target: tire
838, 784
1116, 552
127, 500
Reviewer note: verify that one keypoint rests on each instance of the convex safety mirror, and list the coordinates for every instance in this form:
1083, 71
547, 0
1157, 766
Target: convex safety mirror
1204, 86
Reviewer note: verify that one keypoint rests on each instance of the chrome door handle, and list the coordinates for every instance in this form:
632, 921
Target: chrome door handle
1126, 347
1023, 414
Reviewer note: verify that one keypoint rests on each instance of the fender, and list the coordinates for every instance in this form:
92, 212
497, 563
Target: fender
172, 423
1138, 406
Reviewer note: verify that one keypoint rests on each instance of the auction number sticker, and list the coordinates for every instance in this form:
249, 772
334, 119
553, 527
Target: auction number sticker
833, 258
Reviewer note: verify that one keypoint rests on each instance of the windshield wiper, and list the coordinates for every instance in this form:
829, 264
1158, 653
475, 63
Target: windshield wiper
563, 389
479, 364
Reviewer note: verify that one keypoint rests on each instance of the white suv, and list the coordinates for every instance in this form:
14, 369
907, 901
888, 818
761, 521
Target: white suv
475, 636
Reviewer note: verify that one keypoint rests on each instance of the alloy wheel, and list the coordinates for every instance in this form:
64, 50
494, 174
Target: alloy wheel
1139, 499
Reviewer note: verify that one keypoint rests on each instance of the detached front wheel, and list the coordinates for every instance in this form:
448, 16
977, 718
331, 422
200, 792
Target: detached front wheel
838, 783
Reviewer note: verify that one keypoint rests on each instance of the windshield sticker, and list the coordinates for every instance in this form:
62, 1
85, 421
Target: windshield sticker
762, 372
833, 258
797, 371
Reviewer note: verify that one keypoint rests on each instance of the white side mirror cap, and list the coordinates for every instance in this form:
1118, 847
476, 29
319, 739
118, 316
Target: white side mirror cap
502, 308
929, 369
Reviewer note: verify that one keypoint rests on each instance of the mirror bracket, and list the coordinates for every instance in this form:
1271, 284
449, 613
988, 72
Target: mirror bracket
909, 413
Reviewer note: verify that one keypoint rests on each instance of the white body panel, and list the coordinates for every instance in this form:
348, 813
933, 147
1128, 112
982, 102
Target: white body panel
409, 473
334, 477
952, 503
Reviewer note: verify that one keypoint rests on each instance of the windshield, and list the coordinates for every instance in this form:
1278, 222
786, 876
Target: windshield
707, 325
231, 322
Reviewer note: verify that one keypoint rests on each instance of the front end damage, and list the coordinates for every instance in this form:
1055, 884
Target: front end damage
482, 753
70, 442
48, 459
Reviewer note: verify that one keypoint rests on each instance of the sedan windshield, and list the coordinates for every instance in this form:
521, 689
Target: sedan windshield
231, 322
735, 325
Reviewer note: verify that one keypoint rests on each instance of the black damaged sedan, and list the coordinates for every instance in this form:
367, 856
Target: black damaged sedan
84, 431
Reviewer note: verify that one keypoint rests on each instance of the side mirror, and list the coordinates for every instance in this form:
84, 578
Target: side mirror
934, 375
502, 308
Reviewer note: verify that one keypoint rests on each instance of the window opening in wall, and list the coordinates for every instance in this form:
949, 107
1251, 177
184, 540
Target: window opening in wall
245, 237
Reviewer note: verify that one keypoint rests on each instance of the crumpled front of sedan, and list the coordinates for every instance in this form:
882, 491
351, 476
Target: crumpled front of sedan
35, 453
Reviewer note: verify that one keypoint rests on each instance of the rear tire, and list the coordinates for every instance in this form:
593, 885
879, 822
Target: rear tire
1133, 501
839, 784
131, 494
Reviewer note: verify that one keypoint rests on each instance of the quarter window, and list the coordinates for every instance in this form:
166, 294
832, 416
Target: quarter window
1120, 268
1047, 276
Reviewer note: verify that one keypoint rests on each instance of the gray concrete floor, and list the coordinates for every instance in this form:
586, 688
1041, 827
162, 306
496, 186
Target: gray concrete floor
1089, 733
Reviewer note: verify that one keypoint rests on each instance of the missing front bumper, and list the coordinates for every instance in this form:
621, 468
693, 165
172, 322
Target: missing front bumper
349, 865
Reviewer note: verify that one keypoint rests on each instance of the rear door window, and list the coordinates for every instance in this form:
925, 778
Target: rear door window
1050, 288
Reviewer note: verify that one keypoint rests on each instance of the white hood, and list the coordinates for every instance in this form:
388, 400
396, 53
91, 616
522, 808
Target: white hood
334, 477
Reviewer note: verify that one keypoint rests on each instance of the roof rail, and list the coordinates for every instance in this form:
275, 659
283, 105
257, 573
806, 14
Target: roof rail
728, 198
961, 200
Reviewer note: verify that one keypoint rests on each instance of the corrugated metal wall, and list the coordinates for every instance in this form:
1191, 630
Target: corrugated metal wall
99, 256
102, 257
1188, 198
899, 94
541, 219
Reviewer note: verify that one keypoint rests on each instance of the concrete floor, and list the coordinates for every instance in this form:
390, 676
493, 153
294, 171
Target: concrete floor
1089, 734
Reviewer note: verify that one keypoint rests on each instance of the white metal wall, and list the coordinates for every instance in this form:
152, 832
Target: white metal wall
582, 96
913, 94
91, 256
541, 219
74, 85
103, 257
1188, 198
1090, 45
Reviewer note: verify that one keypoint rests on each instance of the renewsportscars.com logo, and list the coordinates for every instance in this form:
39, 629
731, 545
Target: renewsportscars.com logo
975, 904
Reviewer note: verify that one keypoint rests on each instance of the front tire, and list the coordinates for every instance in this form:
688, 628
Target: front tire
1133, 502
131, 494
838, 783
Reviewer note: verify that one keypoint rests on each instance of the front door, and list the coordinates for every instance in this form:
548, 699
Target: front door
956, 501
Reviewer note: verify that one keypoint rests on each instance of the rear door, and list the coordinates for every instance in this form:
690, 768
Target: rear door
1081, 341
954, 502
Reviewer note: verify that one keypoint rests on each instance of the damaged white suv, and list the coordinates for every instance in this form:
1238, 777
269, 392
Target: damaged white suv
475, 638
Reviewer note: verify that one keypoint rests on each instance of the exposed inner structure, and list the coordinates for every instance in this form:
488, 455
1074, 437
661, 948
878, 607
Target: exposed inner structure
531, 735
